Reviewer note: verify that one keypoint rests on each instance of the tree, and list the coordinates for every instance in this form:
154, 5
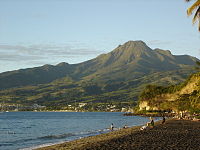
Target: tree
190, 10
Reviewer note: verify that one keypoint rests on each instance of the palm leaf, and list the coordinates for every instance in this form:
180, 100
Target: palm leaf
199, 26
196, 16
193, 7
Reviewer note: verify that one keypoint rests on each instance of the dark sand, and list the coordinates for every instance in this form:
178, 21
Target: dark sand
173, 135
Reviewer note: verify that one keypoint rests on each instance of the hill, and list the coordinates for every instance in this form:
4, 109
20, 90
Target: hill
63, 92
182, 97
128, 61
114, 78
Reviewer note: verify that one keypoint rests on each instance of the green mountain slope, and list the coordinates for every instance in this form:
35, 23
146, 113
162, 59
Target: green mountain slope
34, 76
65, 91
132, 60
128, 61
117, 77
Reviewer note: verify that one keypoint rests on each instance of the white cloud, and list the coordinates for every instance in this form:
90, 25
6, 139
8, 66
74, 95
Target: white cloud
158, 42
40, 54
47, 50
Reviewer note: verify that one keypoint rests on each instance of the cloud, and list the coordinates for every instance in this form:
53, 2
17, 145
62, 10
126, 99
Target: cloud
11, 47
39, 54
17, 58
158, 42
47, 50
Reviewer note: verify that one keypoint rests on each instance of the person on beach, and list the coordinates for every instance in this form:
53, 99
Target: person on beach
144, 127
163, 120
112, 127
125, 126
151, 121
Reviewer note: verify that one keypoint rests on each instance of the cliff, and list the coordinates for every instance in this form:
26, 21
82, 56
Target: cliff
181, 97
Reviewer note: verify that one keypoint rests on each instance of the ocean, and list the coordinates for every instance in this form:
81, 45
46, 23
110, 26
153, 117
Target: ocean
29, 130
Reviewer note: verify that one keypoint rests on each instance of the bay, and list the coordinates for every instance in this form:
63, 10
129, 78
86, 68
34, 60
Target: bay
27, 130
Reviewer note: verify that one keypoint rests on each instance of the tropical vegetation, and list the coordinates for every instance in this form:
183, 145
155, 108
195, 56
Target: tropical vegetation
195, 7
181, 97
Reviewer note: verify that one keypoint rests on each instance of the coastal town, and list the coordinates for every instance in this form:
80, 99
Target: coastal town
78, 107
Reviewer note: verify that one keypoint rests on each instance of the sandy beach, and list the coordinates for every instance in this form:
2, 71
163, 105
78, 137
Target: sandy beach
174, 134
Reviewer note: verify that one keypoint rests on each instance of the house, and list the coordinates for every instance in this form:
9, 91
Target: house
82, 104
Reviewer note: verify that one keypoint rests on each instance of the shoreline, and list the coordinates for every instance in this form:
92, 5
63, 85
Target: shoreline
96, 138
43, 145
150, 114
70, 111
76, 141
174, 134
124, 113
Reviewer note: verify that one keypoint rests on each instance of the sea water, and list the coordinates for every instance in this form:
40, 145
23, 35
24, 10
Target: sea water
28, 130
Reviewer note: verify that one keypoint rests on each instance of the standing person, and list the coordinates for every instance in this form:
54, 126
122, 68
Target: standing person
163, 121
112, 127
151, 121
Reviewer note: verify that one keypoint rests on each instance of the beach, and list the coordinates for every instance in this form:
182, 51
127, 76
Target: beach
174, 134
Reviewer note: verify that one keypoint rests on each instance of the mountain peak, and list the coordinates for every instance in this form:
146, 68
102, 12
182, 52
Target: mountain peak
132, 49
128, 61
135, 44
129, 52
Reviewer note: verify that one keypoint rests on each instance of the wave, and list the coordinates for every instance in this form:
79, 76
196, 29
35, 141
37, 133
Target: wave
66, 135
61, 136
22, 140
6, 132
5, 144
54, 139
91, 133
42, 145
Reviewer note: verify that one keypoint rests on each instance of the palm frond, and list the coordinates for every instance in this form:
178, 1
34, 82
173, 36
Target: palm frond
193, 7
196, 16
199, 25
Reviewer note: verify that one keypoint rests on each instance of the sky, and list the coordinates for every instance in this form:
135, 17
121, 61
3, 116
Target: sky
38, 32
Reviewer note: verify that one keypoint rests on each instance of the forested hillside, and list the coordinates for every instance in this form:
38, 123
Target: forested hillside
116, 77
